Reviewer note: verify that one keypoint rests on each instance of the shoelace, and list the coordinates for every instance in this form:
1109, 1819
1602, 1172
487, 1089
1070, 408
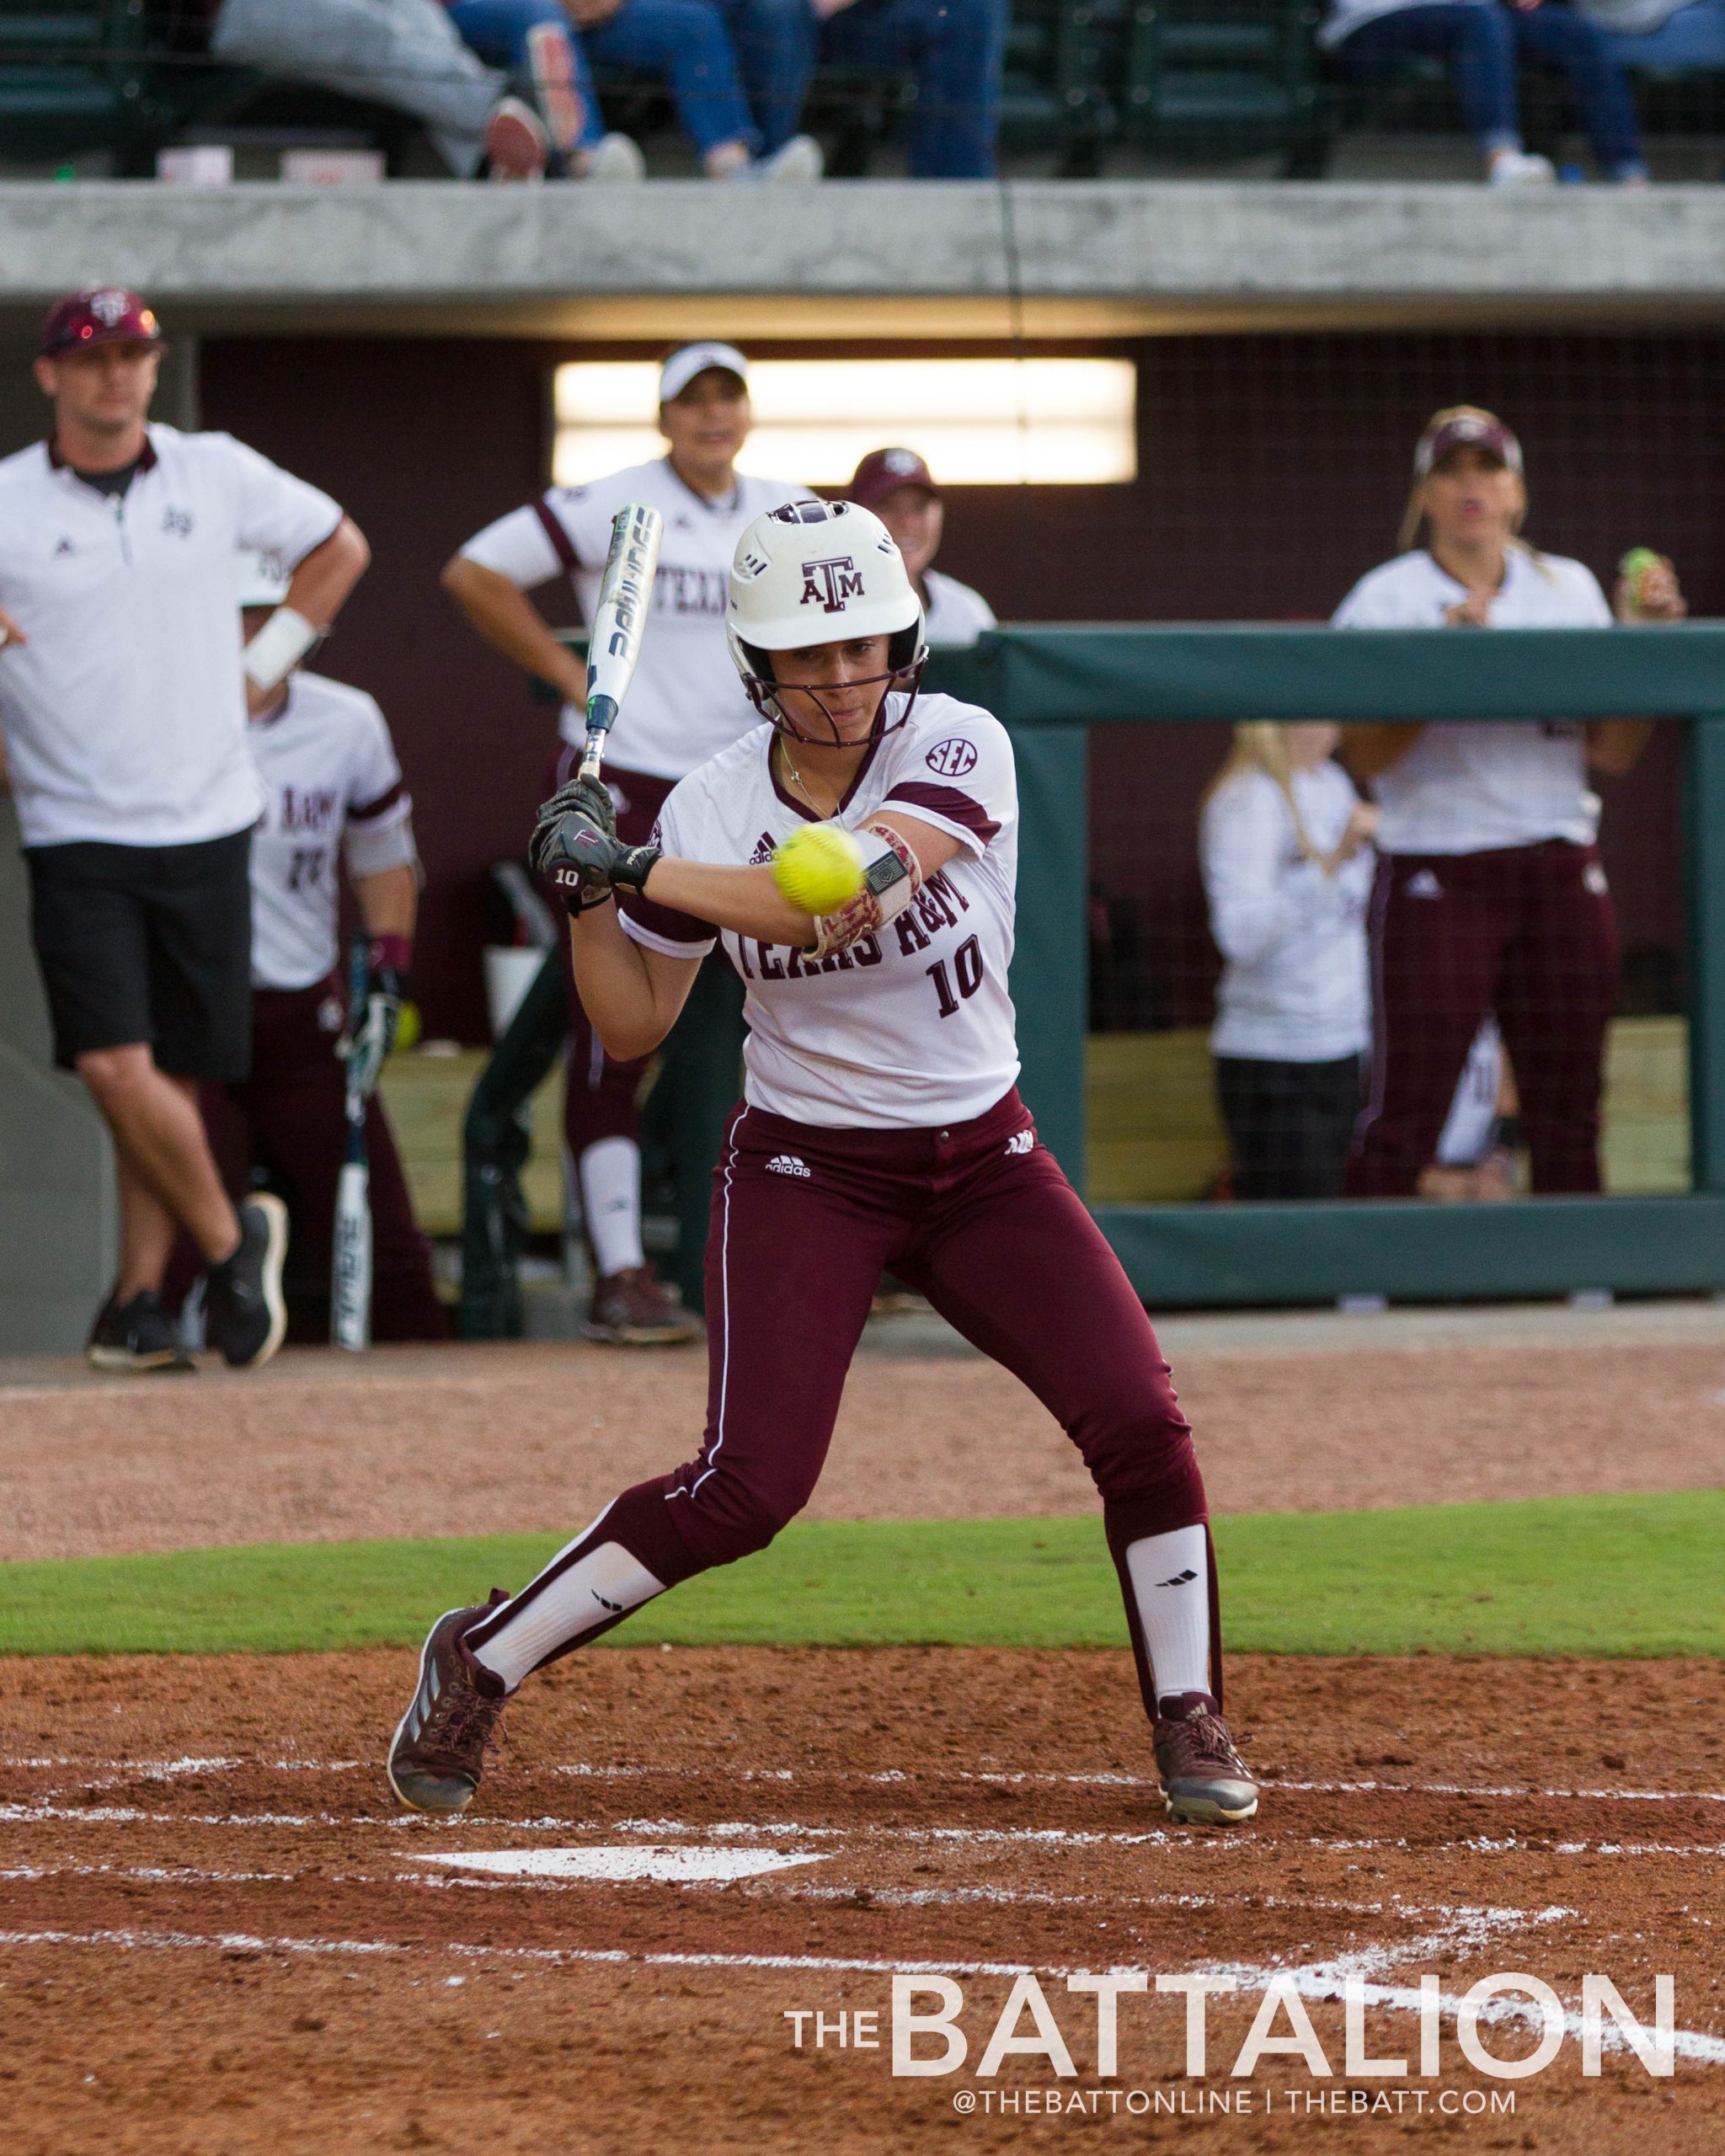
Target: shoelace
470, 1717
1211, 1743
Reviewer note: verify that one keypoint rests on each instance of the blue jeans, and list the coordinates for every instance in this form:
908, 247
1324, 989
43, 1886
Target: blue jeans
1693, 37
686, 41
955, 48
1484, 44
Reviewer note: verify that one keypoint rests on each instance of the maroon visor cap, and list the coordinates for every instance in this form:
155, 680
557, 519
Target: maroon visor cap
100, 314
883, 472
1466, 430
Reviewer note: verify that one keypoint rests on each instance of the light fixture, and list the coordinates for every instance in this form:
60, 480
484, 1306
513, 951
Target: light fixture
979, 423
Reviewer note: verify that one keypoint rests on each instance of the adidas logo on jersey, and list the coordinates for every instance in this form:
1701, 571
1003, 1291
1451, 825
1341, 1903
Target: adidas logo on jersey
788, 1164
1021, 1141
764, 850
1424, 885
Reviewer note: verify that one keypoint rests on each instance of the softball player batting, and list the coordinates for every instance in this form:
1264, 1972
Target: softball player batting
880, 1126
684, 706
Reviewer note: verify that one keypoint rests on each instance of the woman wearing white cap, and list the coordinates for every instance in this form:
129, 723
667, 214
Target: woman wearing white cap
1490, 895
685, 704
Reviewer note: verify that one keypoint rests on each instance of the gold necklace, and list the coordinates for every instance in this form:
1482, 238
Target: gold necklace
801, 784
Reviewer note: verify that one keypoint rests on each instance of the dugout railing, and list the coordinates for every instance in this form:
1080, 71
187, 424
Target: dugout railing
1050, 685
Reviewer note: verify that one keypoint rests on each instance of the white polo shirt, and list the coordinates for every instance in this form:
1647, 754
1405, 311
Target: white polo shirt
331, 784
124, 714
1469, 789
685, 702
955, 613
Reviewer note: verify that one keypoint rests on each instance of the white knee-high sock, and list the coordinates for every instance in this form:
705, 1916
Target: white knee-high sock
610, 1174
1170, 1575
559, 1607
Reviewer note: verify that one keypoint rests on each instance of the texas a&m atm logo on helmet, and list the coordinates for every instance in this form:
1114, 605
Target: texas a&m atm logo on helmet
829, 584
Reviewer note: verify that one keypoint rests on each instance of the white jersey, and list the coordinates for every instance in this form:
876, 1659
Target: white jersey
1294, 987
685, 702
125, 714
954, 613
912, 1028
1467, 789
329, 777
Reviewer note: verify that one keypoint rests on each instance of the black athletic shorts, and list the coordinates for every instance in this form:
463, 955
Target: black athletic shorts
147, 943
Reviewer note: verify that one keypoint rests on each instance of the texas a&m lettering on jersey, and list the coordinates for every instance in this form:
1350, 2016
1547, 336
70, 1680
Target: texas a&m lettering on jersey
332, 785
913, 1024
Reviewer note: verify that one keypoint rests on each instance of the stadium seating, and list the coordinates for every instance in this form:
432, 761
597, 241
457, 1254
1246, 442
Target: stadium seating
75, 76
1207, 80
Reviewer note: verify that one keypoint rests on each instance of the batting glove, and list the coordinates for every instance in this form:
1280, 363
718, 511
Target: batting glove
371, 1031
584, 863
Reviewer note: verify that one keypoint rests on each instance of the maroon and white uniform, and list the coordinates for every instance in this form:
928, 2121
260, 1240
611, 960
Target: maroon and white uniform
332, 789
1490, 898
685, 704
881, 1128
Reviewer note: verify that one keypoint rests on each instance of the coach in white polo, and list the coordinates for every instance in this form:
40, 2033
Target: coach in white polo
123, 694
685, 704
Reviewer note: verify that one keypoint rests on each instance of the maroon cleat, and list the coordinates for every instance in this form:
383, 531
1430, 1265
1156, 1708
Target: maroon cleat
437, 1755
1205, 1783
634, 1309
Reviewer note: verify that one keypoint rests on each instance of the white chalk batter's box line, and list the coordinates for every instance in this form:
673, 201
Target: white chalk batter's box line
1324, 1981
1238, 1842
167, 1770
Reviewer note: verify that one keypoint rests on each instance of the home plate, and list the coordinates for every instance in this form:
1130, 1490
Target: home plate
632, 1862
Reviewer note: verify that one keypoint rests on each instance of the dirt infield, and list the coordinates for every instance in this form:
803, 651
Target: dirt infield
218, 1936
492, 1438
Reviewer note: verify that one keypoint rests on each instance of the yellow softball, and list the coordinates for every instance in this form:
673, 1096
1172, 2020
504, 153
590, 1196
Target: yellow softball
818, 867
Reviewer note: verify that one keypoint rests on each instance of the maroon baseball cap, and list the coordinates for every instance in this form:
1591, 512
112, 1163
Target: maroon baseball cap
882, 470
100, 314
1465, 429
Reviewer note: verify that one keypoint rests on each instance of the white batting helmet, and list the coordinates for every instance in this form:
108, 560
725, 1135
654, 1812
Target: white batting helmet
263, 579
815, 573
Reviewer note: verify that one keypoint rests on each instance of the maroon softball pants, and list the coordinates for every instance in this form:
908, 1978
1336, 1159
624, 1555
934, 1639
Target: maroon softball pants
1527, 931
290, 1118
980, 1220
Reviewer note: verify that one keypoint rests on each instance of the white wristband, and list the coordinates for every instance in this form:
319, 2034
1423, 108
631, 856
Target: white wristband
278, 648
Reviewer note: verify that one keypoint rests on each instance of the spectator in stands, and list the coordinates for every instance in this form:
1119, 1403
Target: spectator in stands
1666, 37
1490, 896
1484, 42
405, 53
1285, 846
551, 44
955, 50
899, 488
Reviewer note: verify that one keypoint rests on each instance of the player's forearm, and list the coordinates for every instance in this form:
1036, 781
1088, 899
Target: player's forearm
744, 900
625, 1005
512, 624
1368, 750
319, 588
389, 901
1613, 745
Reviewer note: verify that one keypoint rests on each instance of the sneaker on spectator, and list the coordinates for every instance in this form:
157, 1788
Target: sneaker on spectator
1520, 169
615, 158
557, 93
517, 144
633, 1309
800, 160
137, 1334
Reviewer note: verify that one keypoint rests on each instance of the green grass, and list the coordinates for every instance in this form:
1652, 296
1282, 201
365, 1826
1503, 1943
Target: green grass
1595, 1576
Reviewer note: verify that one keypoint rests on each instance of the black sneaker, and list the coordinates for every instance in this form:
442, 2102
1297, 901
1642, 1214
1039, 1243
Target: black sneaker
247, 1313
138, 1335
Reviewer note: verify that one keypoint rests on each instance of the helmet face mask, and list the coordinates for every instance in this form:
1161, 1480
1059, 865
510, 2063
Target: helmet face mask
819, 572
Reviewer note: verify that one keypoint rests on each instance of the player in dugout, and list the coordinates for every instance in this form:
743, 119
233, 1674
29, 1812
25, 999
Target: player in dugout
333, 793
880, 1125
898, 487
685, 705
124, 693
